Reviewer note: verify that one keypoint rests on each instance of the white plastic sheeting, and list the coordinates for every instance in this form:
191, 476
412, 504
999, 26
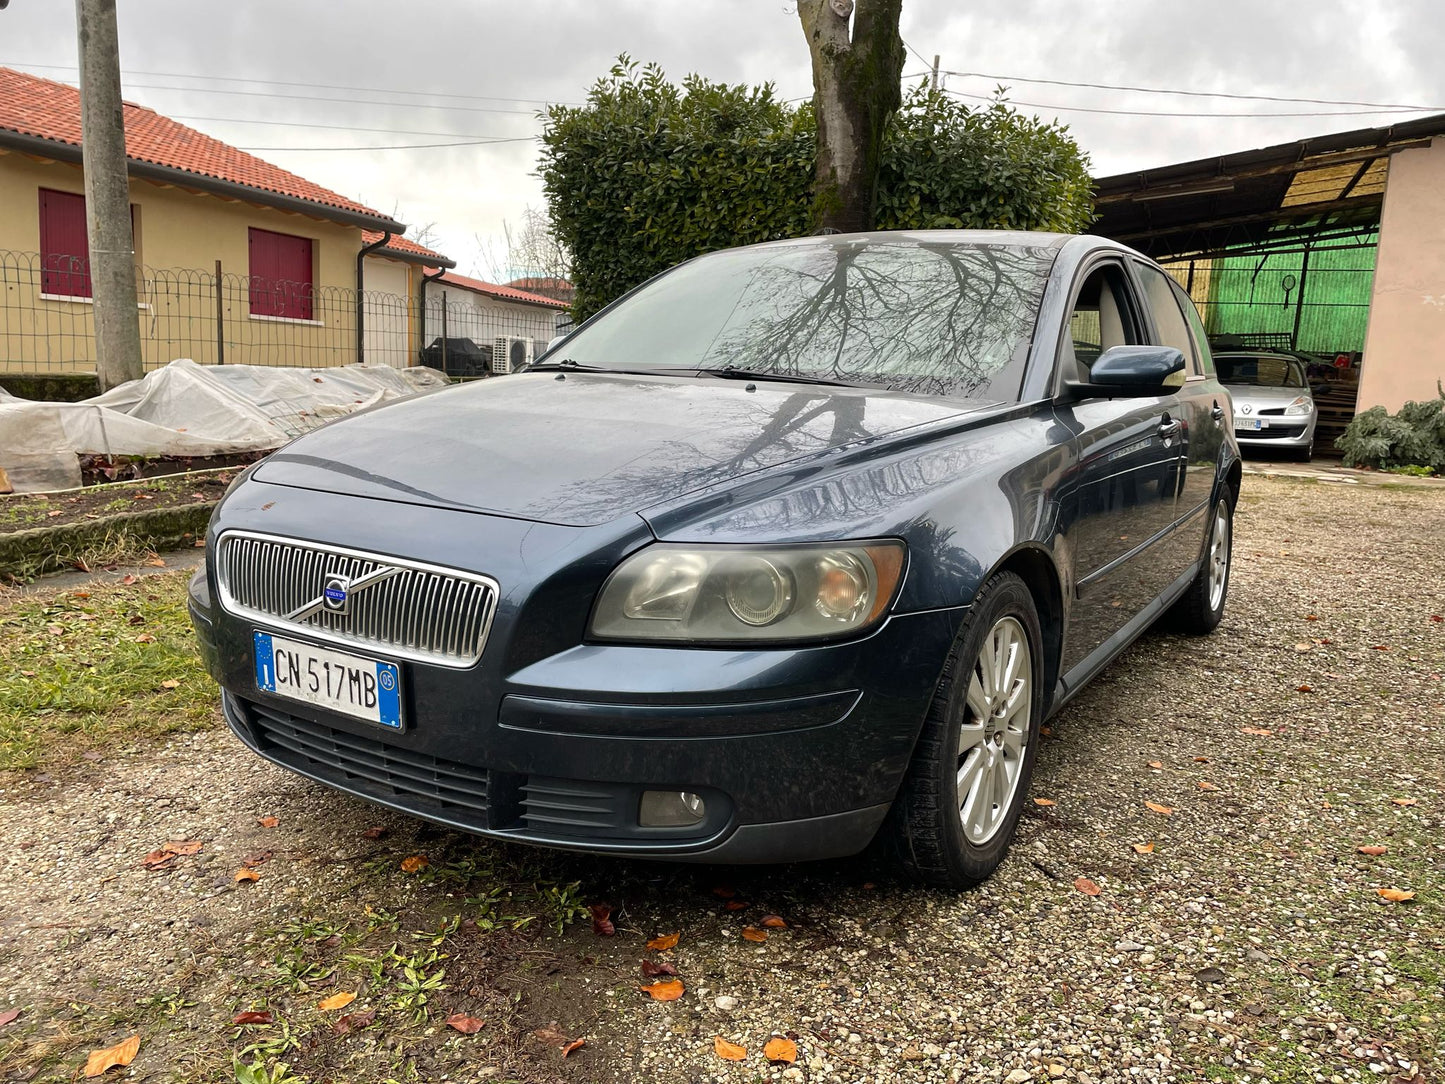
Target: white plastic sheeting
187, 409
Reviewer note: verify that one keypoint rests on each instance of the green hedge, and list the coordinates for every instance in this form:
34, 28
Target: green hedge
649, 173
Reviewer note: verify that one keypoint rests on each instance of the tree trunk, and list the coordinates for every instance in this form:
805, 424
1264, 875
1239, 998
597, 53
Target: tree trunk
855, 90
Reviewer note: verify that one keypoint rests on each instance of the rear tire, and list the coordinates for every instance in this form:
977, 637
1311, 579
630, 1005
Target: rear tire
1201, 608
959, 806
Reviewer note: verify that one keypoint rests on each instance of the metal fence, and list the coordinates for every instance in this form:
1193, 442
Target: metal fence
216, 317
1315, 301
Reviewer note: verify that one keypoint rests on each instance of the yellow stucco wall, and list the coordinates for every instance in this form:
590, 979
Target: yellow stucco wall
177, 230
1405, 343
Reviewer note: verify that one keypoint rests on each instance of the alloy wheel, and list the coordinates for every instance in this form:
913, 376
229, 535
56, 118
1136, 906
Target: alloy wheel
1219, 555
994, 733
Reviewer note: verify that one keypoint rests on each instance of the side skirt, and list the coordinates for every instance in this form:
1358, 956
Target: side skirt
1070, 684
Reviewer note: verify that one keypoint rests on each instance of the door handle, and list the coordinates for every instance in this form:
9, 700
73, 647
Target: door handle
1169, 427
1217, 413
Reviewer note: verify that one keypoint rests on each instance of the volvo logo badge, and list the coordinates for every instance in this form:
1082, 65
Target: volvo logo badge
337, 593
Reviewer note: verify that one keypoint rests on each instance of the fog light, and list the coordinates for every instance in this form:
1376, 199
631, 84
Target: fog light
670, 809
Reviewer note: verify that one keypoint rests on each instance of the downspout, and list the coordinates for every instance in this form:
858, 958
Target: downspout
366, 250
425, 278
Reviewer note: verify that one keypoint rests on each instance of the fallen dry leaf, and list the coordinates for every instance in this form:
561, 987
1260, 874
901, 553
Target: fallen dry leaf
353, 1021
337, 1001
1201, 760
1395, 895
724, 892
467, 1025
1404, 801
1043, 801
169, 851
651, 970
728, 1051
1372, 851
1257, 731
772, 922
1303, 689
1087, 887
667, 990
752, 933
780, 1049
1436, 618
1162, 810
126, 580
156, 562
575, 1044
145, 638
1143, 848
252, 1017
664, 942
414, 862
736, 905
1382, 647
602, 920
246, 873
121, 1054
1156, 764
9, 1016
550, 1034
375, 832
1206, 786
170, 683
268, 822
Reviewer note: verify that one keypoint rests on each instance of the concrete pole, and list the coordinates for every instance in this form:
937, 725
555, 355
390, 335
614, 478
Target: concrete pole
107, 196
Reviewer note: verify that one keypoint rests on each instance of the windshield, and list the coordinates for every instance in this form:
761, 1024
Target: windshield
1259, 372
942, 318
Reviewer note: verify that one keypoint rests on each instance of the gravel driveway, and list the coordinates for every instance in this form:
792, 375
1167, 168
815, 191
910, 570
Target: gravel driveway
1238, 936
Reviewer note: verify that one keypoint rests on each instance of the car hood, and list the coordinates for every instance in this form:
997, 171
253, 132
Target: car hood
591, 447
1263, 398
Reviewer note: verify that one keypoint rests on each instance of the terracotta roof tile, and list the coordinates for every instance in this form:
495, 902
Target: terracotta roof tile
504, 293
399, 244
40, 107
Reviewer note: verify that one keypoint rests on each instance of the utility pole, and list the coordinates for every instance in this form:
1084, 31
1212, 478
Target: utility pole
107, 196
935, 71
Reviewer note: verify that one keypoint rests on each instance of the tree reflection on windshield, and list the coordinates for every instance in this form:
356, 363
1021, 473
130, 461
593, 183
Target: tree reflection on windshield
934, 317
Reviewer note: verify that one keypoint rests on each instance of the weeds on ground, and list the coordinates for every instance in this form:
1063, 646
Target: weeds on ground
102, 666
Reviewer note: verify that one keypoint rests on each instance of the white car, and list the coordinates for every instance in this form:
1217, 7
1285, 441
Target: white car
1273, 407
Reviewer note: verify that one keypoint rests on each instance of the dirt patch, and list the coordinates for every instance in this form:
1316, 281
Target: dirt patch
27, 511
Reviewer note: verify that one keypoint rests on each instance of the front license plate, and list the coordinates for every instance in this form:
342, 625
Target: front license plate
335, 680
1249, 423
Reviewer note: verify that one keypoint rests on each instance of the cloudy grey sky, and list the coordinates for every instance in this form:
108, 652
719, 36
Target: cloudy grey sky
438, 71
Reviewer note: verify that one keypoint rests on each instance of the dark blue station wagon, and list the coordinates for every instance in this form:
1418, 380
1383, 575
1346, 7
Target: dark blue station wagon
793, 547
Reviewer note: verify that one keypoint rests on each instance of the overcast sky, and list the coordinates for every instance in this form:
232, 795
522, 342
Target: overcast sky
494, 63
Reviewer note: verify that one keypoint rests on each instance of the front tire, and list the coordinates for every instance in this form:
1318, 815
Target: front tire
1201, 608
959, 806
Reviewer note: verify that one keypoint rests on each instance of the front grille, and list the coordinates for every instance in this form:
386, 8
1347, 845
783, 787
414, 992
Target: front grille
1269, 434
411, 610
418, 781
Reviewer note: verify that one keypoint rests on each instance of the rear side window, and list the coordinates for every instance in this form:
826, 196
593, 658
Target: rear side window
1173, 331
1196, 328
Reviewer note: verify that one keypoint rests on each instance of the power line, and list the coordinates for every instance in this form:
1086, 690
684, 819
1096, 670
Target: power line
1169, 113
333, 127
286, 83
319, 98
1376, 106
397, 146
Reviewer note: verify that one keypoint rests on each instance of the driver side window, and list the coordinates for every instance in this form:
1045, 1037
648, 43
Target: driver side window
1102, 316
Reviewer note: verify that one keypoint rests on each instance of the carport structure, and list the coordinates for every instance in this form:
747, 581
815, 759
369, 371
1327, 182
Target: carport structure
1333, 246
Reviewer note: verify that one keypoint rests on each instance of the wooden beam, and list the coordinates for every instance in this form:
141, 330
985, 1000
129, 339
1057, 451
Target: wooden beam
1301, 165
1303, 210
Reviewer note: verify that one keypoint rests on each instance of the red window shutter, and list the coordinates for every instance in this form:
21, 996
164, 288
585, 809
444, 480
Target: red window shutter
281, 276
64, 249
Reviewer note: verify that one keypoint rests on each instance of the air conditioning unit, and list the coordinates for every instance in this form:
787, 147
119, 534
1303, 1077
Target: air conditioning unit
510, 353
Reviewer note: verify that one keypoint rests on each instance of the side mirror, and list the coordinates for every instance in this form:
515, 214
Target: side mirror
556, 341
1123, 371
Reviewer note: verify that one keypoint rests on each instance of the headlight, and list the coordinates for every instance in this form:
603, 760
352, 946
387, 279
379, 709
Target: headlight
1302, 405
723, 594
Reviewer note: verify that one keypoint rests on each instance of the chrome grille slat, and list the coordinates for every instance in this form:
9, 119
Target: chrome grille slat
424, 612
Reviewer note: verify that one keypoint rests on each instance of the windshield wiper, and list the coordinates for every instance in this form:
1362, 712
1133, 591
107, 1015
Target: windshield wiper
734, 372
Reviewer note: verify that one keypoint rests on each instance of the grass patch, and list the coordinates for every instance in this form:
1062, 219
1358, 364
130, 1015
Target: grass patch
93, 667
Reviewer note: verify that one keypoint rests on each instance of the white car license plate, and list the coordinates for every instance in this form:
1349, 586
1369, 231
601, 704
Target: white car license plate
335, 680
1249, 423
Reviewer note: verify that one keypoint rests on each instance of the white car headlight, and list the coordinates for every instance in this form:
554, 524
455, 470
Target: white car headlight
726, 594
1301, 405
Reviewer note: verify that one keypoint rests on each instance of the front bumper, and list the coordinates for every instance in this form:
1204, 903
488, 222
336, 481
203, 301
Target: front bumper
798, 751
1291, 433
